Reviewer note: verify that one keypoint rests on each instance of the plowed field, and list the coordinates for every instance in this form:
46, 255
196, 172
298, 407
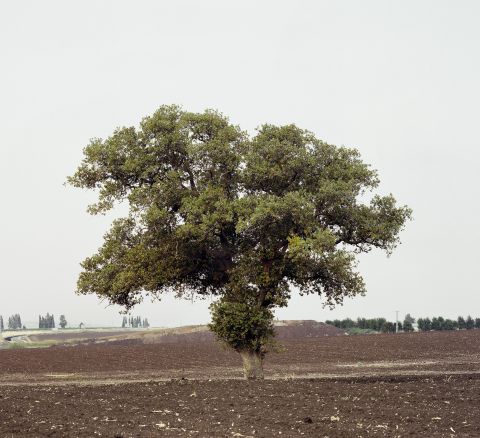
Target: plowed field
419, 384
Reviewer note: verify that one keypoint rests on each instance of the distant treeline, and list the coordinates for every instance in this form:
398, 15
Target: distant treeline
373, 324
440, 323
423, 324
44, 322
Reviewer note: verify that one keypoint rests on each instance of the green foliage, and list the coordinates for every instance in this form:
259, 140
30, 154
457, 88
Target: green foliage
407, 325
215, 211
424, 324
47, 321
440, 323
63, 321
370, 325
449, 325
241, 325
375, 324
15, 322
469, 323
389, 327
135, 322
437, 323
359, 331
363, 325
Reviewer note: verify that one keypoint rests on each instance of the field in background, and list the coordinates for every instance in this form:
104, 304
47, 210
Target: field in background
42, 338
420, 384
194, 333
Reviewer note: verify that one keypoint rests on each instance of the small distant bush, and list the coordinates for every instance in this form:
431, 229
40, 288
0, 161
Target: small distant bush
359, 331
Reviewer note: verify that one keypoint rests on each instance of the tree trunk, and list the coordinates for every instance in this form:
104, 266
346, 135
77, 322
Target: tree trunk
252, 364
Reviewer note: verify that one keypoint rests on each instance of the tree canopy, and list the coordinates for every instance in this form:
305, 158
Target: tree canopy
213, 210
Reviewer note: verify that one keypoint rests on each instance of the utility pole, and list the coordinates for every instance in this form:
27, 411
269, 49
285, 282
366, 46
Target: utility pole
396, 321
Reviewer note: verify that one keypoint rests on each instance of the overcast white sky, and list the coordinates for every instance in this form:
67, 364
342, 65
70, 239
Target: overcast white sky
399, 80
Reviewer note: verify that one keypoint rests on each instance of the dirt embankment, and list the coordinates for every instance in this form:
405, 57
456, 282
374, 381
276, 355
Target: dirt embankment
194, 334
68, 335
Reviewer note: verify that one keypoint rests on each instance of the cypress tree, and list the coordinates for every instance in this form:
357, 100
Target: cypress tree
469, 323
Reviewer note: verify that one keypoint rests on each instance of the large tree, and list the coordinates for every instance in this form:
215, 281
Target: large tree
213, 211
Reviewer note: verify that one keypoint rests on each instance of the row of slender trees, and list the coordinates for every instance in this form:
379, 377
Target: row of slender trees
48, 322
14, 323
135, 322
373, 324
440, 323
407, 325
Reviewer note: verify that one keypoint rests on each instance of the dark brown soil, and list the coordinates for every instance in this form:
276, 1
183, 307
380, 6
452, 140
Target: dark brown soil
322, 354
396, 407
419, 384
284, 330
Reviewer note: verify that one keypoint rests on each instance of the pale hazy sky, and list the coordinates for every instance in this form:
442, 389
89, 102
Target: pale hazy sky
399, 80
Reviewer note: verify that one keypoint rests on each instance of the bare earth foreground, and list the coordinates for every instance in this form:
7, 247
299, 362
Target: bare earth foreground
418, 384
